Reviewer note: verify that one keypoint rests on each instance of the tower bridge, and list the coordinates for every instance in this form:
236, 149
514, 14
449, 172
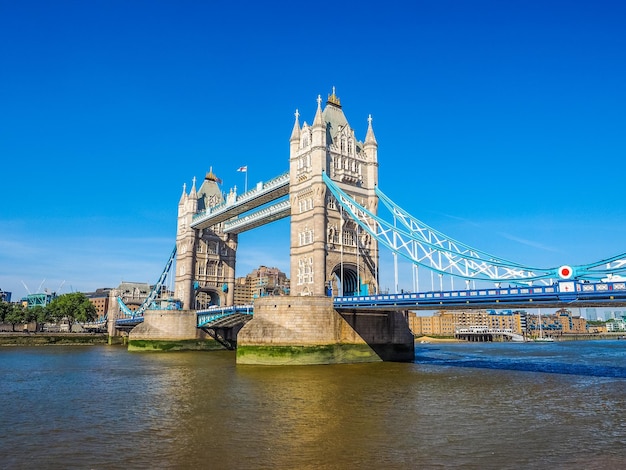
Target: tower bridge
334, 203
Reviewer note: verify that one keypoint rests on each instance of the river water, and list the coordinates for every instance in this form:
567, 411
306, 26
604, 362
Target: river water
469, 405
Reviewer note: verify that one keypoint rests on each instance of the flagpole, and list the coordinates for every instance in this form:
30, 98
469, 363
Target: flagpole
245, 188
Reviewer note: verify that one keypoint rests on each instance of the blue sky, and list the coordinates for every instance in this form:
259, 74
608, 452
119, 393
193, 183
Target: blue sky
499, 123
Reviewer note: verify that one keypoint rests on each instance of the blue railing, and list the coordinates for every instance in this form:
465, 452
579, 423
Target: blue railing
559, 293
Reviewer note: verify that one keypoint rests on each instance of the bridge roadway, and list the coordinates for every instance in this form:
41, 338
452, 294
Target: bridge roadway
560, 294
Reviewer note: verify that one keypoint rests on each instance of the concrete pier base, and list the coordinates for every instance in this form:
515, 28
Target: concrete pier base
170, 330
308, 330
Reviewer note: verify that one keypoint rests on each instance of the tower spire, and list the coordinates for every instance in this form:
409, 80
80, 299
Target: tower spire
370, 138
295, 133
318, 121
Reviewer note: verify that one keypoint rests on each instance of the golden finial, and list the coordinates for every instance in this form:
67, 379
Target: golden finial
333, 99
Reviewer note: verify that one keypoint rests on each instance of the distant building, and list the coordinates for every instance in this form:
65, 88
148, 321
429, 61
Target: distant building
38, 300
560, 322
591, 314
100, 300
5, 296
617, 325
133, 293
260, 282
445, 323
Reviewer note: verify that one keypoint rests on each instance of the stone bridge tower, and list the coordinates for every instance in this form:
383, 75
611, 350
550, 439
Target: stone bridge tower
329, 252
205, 258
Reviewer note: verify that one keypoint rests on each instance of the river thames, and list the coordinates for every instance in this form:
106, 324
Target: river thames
459, 405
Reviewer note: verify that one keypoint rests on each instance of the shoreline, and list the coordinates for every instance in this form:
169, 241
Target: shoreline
8, 338
430, 339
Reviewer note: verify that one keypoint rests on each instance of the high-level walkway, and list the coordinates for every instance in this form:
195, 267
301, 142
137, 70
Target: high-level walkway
234, 206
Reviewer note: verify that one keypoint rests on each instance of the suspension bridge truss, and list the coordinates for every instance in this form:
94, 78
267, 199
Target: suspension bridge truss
133, 316
424, 246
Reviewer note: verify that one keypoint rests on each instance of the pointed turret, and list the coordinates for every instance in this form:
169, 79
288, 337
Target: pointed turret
370, 138
193, 193
318, 120
318, 130
183, 196
370, 147
295, 133
294, 140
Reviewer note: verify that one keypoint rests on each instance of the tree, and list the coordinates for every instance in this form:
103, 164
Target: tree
5, 307
39, 315
74, 307
15, 315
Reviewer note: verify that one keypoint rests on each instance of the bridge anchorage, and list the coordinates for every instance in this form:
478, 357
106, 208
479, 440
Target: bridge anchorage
335, 312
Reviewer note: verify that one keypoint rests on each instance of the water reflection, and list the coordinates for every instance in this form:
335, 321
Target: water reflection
469, 407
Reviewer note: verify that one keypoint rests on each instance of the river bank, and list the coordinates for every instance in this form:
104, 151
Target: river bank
47, 339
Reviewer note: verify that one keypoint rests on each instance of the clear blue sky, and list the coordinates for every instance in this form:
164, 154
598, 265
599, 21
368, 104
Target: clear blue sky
500, 123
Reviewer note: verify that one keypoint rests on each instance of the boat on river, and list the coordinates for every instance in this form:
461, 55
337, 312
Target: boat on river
541, 338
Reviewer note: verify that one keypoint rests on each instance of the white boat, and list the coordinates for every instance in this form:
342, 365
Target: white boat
541, 338
544, 339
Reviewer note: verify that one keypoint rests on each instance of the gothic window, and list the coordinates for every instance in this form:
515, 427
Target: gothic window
305, 204
220, 269
305, 271
212, 248
201, 270
183, 249
199, 247
182, 270
343, 144
348, 238
306, 236
350, 145
211, 269
304, 162
331, 203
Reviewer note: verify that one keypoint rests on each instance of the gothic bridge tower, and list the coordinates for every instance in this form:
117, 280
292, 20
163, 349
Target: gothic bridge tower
205, 258
328, 249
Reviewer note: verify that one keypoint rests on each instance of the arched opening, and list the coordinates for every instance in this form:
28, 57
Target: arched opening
205, 298
345, 280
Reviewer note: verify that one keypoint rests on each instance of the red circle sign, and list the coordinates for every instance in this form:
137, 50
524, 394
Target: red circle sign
565, 272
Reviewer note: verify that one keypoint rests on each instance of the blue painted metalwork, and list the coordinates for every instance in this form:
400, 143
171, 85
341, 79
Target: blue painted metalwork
128, 322
427, 247
149, 300
224, 316
559, 294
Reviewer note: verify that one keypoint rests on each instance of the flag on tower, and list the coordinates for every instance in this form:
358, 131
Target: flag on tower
243, 168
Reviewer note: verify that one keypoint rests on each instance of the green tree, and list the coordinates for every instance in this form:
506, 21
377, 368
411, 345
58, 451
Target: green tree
39, 315
5, 307
74, 307
15, 315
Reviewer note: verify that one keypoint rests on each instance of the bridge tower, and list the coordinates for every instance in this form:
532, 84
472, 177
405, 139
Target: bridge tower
329, 255
205, 258
328, 251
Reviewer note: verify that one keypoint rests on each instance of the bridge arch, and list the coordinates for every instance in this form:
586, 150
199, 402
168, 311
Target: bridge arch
345, 279
208, 296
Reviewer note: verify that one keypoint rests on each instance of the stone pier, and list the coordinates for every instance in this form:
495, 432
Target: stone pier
308, 330
170, 330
